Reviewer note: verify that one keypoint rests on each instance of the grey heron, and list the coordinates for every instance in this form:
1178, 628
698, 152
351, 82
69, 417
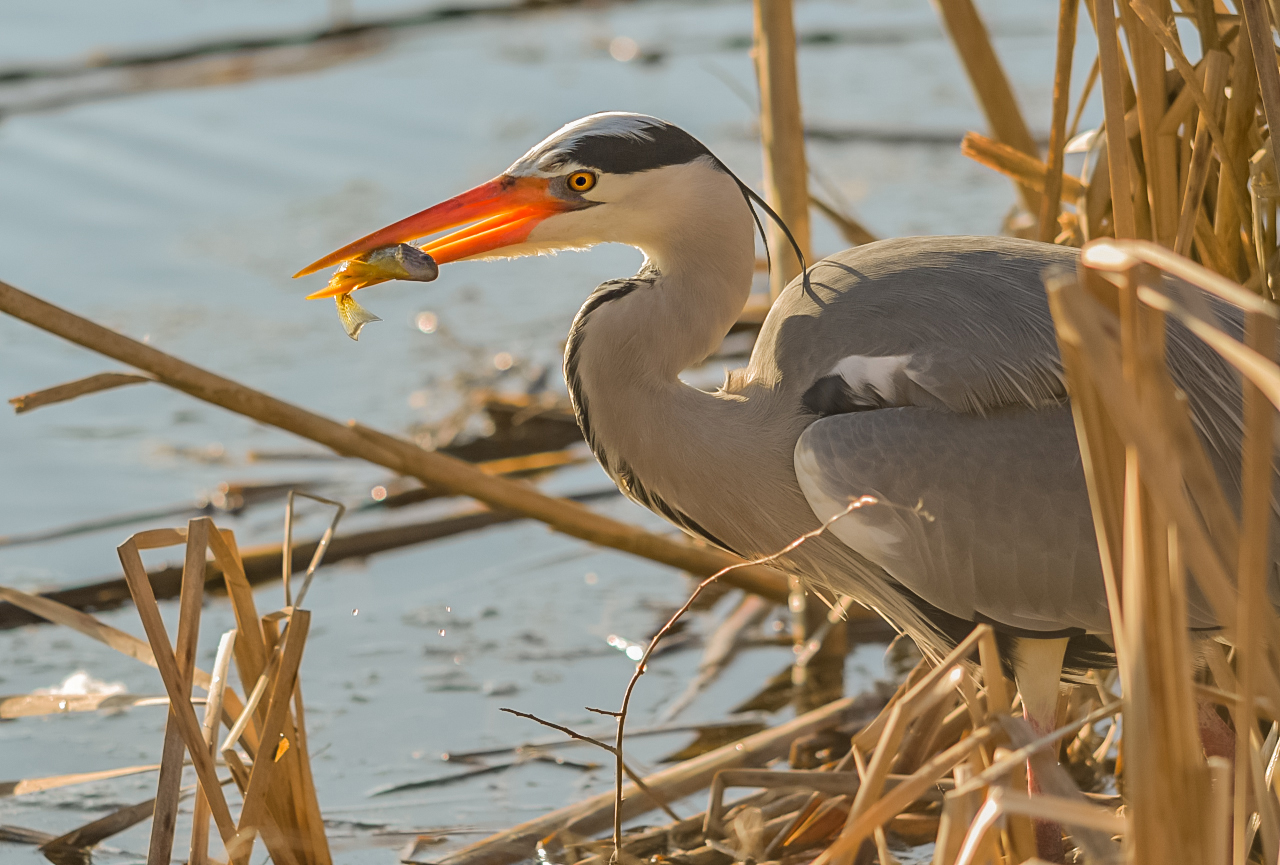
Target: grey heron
920, 371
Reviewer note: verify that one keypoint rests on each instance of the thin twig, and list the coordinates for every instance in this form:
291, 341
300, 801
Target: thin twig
632, 774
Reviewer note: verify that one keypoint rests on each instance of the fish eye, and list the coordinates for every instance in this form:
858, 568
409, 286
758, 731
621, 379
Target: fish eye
581, 181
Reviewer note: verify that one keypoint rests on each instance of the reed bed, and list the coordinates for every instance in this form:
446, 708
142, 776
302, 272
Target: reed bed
1197, 174
265, 748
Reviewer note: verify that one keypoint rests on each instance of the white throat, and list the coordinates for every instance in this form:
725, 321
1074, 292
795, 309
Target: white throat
659, 438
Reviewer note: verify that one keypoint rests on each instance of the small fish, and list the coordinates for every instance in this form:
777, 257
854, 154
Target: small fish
352, 315
401, 261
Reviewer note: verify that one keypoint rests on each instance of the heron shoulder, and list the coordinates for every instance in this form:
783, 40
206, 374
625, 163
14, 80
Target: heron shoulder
949, 322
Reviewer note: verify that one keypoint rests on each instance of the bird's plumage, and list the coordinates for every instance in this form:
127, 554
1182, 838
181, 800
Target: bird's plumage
944, 399
921, 371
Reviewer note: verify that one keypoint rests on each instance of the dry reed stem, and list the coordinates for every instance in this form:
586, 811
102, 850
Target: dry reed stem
1068, 10
786, 174
73, 845
396, 454
125, 644
1027, 170
596, 814
1191, 84
1219, 812
53, 782
72, 389
310, 814
1123, 220
1155, 662
1258, 23
877, 813
1159, 152
290, 795
918, 700
1241, 111
281, 691
998, 698
250, 648
1085, 343
869, 736
995, 96
250, 710
1090, 81
1016, 760
932, 688
882, 845
199, 848
1255, 794
1255, 554
34, 705
160, 850
286, 552
1217, 65
285, 805
1057, 809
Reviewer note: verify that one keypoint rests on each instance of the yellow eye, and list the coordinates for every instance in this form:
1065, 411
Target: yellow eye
581, 181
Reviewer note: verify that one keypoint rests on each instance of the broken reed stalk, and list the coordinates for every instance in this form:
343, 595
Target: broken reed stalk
786, 174
180, 705
277, 788
80, 387
1024, 169
404, 457
278, 794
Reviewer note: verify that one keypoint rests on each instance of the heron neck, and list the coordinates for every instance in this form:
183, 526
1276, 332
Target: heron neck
644, 331
662, 440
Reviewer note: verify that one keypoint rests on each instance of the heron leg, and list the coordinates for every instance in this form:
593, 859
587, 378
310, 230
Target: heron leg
1037, 668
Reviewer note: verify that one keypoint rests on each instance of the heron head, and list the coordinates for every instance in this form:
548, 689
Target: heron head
611, 177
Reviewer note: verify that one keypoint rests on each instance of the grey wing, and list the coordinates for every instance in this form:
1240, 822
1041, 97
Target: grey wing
986, 518
938, 384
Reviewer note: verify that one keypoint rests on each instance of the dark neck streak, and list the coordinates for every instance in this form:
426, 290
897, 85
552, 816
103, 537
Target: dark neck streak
616, 467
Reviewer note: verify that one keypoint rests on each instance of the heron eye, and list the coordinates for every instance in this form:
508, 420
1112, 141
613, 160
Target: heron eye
581, 181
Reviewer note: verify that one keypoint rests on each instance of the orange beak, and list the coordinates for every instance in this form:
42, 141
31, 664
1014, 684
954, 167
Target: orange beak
499, 213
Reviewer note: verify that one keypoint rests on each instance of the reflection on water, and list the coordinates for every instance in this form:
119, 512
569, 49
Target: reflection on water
177, 215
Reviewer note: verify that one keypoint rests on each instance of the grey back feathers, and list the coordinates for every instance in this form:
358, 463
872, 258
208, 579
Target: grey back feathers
950, 409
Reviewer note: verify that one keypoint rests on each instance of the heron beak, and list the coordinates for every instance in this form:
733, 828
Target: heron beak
499, 213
